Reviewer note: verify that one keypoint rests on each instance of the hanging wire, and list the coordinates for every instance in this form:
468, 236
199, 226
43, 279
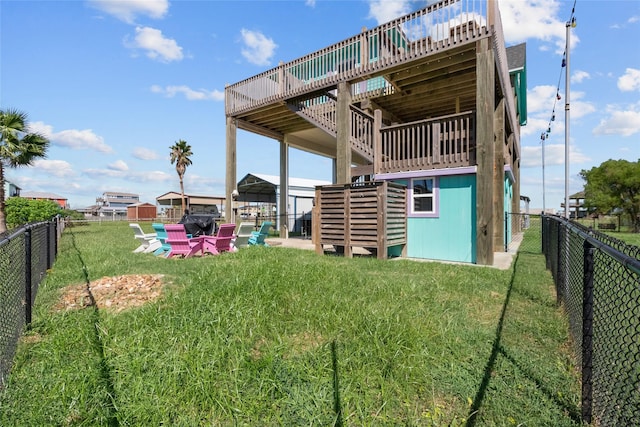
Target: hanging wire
545, 135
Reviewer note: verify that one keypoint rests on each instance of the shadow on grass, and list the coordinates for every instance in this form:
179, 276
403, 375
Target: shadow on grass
498, 349
105, 373
337, 406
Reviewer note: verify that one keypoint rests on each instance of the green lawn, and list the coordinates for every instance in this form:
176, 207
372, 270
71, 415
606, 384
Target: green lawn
278, 336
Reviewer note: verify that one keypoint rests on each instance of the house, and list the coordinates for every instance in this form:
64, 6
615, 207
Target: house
39, 195
421, 116
114, 204
11, 189
265, 192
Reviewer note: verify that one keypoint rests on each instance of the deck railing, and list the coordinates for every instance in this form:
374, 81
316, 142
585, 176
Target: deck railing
442, 142
415, 35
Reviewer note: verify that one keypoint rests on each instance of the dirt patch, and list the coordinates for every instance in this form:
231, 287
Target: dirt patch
113, 293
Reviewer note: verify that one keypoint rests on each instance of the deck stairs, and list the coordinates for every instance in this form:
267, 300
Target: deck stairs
321, 112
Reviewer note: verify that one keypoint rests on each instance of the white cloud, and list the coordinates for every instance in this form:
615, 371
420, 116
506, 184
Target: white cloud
311, 3
542, 99
553, 155
134, 176
118, 165
58, 168
630, 81
128, 10
526, 20
624, 122
579, 76
190, 94
387, 10
145, 154
258, 49
72, 138
80, 140
155, 44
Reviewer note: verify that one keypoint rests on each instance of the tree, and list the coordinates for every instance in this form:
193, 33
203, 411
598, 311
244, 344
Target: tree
180, 152
18, 147
615, 184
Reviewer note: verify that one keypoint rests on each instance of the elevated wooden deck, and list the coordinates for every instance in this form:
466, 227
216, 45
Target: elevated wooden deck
369, 215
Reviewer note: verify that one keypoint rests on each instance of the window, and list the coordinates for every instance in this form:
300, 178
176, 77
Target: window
423, 196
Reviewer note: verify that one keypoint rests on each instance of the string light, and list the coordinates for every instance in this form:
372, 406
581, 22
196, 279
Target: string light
545, 135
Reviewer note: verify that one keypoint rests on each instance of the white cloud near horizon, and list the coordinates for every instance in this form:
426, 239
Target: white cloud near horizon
57, 168
72, 138
630, 80
130, 176
128, 10
553, 155
258, 49
156, 45
619, 121
143, 153
189, 94
118, 165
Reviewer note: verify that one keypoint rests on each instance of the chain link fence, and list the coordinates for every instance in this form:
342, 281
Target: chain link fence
529, 237
25, 256
597, 280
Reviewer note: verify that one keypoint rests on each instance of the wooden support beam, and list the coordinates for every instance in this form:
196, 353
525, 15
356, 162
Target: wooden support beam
498, 176
485, 101
343, 144
230, 176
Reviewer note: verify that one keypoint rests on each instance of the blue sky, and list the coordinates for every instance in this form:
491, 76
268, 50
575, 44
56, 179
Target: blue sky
113, 84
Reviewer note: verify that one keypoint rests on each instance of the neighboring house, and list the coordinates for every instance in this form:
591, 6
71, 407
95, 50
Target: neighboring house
425, 110
114, 204
38, 195
265, 189
11, 190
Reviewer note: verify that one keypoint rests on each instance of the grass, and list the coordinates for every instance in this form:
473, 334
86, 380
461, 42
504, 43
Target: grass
278, 336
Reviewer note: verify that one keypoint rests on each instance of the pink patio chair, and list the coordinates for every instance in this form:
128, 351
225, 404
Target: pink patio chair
180, 243
221, 242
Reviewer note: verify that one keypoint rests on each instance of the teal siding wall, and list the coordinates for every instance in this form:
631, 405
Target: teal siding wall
452, 235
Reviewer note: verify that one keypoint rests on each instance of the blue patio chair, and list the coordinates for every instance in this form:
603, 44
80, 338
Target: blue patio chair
257, 237
161, 235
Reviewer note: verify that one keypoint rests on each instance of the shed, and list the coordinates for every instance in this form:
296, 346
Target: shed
138, 211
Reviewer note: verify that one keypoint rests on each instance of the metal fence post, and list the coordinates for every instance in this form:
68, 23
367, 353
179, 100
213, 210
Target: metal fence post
587, 333
27, 274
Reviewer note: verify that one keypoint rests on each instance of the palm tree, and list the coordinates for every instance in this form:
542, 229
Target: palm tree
180, 152
18, 147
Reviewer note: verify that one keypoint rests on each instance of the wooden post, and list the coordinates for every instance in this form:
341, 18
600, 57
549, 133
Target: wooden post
377, 142
347, 221
498, 176
283, 205
515, 167
343, 123
485, 100
230, 176
317, 227
381, 196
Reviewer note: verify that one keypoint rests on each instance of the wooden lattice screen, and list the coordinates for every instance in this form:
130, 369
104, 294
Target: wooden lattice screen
369, 215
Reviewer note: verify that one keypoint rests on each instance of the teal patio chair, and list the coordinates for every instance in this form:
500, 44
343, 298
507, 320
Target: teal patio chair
257, 237
161, 235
